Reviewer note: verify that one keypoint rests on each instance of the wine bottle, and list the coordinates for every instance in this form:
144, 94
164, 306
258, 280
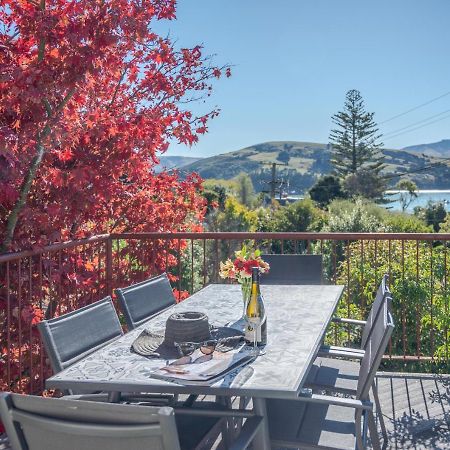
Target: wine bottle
256, 314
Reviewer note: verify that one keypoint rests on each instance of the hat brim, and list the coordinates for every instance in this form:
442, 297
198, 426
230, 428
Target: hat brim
151, 344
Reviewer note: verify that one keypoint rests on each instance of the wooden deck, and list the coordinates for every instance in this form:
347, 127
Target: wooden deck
416, 408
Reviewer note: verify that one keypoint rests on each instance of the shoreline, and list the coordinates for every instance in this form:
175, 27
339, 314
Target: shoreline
421, 191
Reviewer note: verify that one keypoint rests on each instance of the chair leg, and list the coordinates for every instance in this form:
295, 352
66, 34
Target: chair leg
190, 400
243, 402
227, 423
376, 445
379, 412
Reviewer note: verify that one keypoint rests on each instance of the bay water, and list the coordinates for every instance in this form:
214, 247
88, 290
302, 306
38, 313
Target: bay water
423, 197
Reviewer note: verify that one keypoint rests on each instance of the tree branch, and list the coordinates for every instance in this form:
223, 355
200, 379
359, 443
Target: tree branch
116, 90
30, 176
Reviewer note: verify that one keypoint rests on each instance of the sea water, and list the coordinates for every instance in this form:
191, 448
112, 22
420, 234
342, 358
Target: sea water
423, 197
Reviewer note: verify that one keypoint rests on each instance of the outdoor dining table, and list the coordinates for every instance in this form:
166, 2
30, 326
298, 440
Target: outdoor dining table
298, 316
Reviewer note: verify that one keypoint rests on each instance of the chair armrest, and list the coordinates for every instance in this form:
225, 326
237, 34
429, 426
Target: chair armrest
359, 323
247, 433
102, 397
338, 401
340, 352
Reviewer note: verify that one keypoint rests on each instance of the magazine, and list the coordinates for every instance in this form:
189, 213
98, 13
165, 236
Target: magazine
205, 369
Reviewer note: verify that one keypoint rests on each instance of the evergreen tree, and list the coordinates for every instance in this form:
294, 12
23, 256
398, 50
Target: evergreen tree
244, 189
355, 142
326, 189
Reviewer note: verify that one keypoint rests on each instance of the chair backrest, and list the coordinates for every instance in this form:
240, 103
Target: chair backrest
376, 346
38, 423
72, 336
382, 294
143, 300
293, 269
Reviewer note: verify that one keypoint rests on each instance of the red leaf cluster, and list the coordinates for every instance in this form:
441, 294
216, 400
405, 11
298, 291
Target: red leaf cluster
102, 94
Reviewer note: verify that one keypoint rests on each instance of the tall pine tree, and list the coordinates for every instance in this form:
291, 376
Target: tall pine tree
355, 142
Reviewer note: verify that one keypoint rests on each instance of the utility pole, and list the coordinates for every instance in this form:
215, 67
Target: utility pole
275, 184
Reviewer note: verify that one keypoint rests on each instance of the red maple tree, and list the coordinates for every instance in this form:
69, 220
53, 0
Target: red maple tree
90, 96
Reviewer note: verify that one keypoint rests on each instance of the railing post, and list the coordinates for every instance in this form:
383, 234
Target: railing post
109, 266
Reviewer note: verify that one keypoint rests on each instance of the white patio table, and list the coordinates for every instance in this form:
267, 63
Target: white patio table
298, 316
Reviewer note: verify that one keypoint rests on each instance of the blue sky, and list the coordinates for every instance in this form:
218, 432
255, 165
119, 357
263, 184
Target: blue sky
294, 60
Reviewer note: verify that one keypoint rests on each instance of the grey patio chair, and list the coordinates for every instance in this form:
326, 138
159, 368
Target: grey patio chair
341, 375
38, 423
143, 300
293, 269
382, 294
75, 335
328, 422
72, 336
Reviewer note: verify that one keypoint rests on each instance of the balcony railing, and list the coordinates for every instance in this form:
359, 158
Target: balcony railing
49, 281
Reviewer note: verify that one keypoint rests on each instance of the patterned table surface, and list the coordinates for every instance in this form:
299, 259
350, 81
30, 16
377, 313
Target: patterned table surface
297, 319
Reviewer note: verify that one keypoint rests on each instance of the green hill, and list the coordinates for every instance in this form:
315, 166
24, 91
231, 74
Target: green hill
307, 161
439, 149
174, 162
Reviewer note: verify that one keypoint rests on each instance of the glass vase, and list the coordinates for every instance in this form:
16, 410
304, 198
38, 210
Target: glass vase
246, 286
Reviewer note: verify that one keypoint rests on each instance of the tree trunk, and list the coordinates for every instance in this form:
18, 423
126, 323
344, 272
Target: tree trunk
20, 202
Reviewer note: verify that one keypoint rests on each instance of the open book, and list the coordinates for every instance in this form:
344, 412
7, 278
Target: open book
205, 369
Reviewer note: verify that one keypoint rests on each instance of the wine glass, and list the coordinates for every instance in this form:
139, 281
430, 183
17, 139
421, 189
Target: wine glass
255, 322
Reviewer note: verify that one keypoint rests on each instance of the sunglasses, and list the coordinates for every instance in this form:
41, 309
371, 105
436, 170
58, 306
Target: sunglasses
187, 348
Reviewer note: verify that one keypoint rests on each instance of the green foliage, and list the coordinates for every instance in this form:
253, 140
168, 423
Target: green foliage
215, 196
433, 214
299, 216
365, 183
395, 222
234, 217
355, 141
418, 274
244, 190
408, 192
356, 217
326, 189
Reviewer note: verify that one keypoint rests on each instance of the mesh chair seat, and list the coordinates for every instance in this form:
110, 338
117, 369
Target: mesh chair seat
72, 336
293, 269
321, 425
139, 302
334, 375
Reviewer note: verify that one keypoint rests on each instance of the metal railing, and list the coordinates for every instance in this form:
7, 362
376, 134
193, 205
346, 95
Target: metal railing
49, 281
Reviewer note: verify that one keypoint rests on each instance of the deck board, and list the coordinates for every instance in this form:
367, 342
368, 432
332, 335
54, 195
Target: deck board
416, 408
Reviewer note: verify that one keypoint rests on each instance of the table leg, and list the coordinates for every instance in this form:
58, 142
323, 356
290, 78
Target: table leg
262, 439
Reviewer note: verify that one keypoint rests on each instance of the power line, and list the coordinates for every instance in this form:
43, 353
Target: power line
413, 109
416, 123
417, 128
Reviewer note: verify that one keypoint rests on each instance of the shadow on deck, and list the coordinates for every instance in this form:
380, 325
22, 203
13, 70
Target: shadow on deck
416, 408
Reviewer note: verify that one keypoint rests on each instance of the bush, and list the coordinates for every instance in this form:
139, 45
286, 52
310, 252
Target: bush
418, 274
326, 189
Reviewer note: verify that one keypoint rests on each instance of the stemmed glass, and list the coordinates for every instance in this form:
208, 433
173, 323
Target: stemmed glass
255, 322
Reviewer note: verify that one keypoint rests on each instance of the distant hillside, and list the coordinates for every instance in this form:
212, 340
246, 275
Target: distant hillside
307, 161
441, 148
174, 162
